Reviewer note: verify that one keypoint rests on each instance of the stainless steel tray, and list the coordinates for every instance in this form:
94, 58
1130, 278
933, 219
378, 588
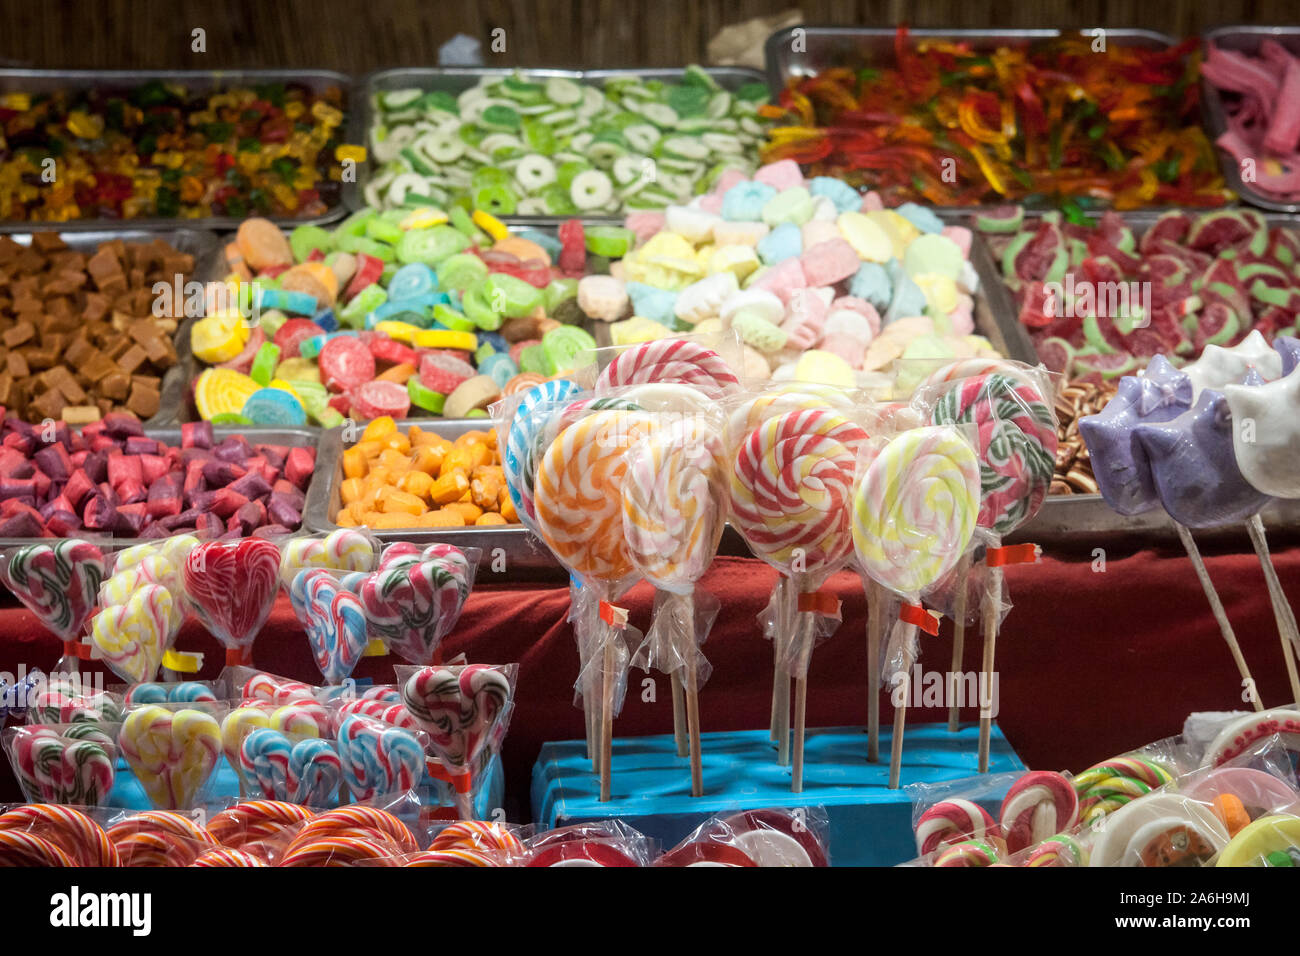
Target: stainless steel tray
1245, 39
459, 79
201, 244
40, 81
1087, 518
171, 434
824, 47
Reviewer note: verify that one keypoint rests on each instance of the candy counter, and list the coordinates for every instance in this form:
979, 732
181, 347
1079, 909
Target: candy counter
442, 529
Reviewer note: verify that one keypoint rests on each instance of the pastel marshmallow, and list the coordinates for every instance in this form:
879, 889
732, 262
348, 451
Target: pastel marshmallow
652, 303
840, 194
702, 300
847, 334
960, 235
829, 262
758, 333
758, 303
754, 365
784, 279
727, 178
710, 202
736, 259
744, 202
644, 224
817, 231
921, 217
693, 225
806, 318
783, 242
868, 239
603, 297
872, 283
862, 307
793, 205
783, 174
739, 233
823, 208
871, 202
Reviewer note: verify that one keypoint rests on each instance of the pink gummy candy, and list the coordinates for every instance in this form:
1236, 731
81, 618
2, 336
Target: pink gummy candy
829, 262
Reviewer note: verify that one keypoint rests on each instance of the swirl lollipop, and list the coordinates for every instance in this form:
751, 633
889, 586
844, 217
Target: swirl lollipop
676, 361
674, 507
231, 587
914, 513
58, 583
578, 496
524, 442
1015, 438
790, 492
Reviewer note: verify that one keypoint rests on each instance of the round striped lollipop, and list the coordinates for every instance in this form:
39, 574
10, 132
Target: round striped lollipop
1016, 440
579, 493
678, 361
780, 399
1111, 784
914, 509
791, 487
523, 441
953, 821
674, 503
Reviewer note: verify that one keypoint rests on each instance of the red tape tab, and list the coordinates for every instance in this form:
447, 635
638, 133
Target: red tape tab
461, 781
239, 657
77, 649
927, 621
820, 602
1012, 554
613, 615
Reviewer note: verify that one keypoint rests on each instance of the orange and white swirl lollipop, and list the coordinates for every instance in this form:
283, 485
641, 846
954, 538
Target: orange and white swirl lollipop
77, 835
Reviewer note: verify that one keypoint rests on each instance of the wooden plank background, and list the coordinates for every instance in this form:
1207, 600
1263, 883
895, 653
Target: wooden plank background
357, 37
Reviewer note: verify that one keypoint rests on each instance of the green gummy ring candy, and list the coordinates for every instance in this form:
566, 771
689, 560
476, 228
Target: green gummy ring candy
613, 242
511, 296
430, 246
449, 318
563, 345
535, 359
478, 309
499, 117
264, 363
230, 418
462, 223
363, 303
383, 231
425, 398
461, 271
489, 176
307, 239
496, 200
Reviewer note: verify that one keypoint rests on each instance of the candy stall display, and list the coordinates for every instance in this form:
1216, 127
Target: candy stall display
406, 312
154, 147
968, 118
558, 142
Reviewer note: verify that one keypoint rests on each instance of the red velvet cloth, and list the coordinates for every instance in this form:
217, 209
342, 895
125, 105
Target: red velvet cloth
1090, 663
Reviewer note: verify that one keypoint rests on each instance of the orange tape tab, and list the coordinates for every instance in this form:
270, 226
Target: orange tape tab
460, 781
239, 657
77, 649
1012, 554
916, 614
613, 615
820, 602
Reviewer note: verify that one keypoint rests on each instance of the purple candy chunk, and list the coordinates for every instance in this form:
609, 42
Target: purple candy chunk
251, 486
234, 448
96, 466
22, 525
54, 462
281, 512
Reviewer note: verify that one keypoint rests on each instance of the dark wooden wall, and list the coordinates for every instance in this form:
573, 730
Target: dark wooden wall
356, 37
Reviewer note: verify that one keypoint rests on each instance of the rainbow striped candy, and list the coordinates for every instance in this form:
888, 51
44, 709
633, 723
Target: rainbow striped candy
791, 487
914, 508
1016, 441
1111, 784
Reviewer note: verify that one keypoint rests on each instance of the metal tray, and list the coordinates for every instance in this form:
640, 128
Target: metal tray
1086, 518
171, 434
1246, 39
824, 47
201, 244
40, 81
458, 79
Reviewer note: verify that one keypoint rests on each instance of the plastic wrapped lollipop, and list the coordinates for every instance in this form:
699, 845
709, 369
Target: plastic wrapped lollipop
68, 764
231, 586
791, 485
172, 750
345, 550
674, 509
778, 617
58, 583
411, 605
1014, 429
1124, 470
524, 428
914, 511
578, 495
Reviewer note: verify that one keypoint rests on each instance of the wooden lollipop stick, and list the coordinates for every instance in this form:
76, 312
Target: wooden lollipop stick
805, 637
958, 641
779, 678
875, 616
1282, 612
1216, 608
991, 614
606, 718
900, 712
679, 715
693, 723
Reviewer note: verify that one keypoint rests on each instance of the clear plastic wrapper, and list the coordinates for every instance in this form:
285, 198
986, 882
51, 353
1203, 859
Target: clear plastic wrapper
242, 683
59, 583
344, 550
70, 699
954, 811
303, 717
155, 838
172, 749
231, 587
465, 712
378, 758
769, 837
171, 692
412, 603
471, 843
357, 834
72, 764
260, 828
50, 835
607, 843
520, 420
711, 361
289, 767
1240, 732
334, 621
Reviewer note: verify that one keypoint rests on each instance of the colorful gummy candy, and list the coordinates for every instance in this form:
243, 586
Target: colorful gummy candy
820, 282
1100, 297
395, 313
1058, 119
162, 150
417, 479
555, 147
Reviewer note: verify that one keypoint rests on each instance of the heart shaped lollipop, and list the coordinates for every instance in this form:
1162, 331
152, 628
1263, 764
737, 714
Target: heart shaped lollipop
232, 585
172, 753
58, 583
413, 606
133, 636
460, 707
378, 758
57, 769
334, 620
305, 771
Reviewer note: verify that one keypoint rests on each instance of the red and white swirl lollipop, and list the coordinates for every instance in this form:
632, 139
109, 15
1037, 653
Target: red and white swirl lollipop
1039, 805
670, 361
953, 821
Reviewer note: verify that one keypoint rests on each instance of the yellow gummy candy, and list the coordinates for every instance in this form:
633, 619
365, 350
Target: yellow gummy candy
824, 368
345, 152
426, 217
490, 224
213, 341
636, 330
222, 391
445, 339
401, 331
868, 238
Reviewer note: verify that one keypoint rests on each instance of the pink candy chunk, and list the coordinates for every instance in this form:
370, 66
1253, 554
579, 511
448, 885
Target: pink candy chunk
960, 235
783, 279
784, 174
829, 262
